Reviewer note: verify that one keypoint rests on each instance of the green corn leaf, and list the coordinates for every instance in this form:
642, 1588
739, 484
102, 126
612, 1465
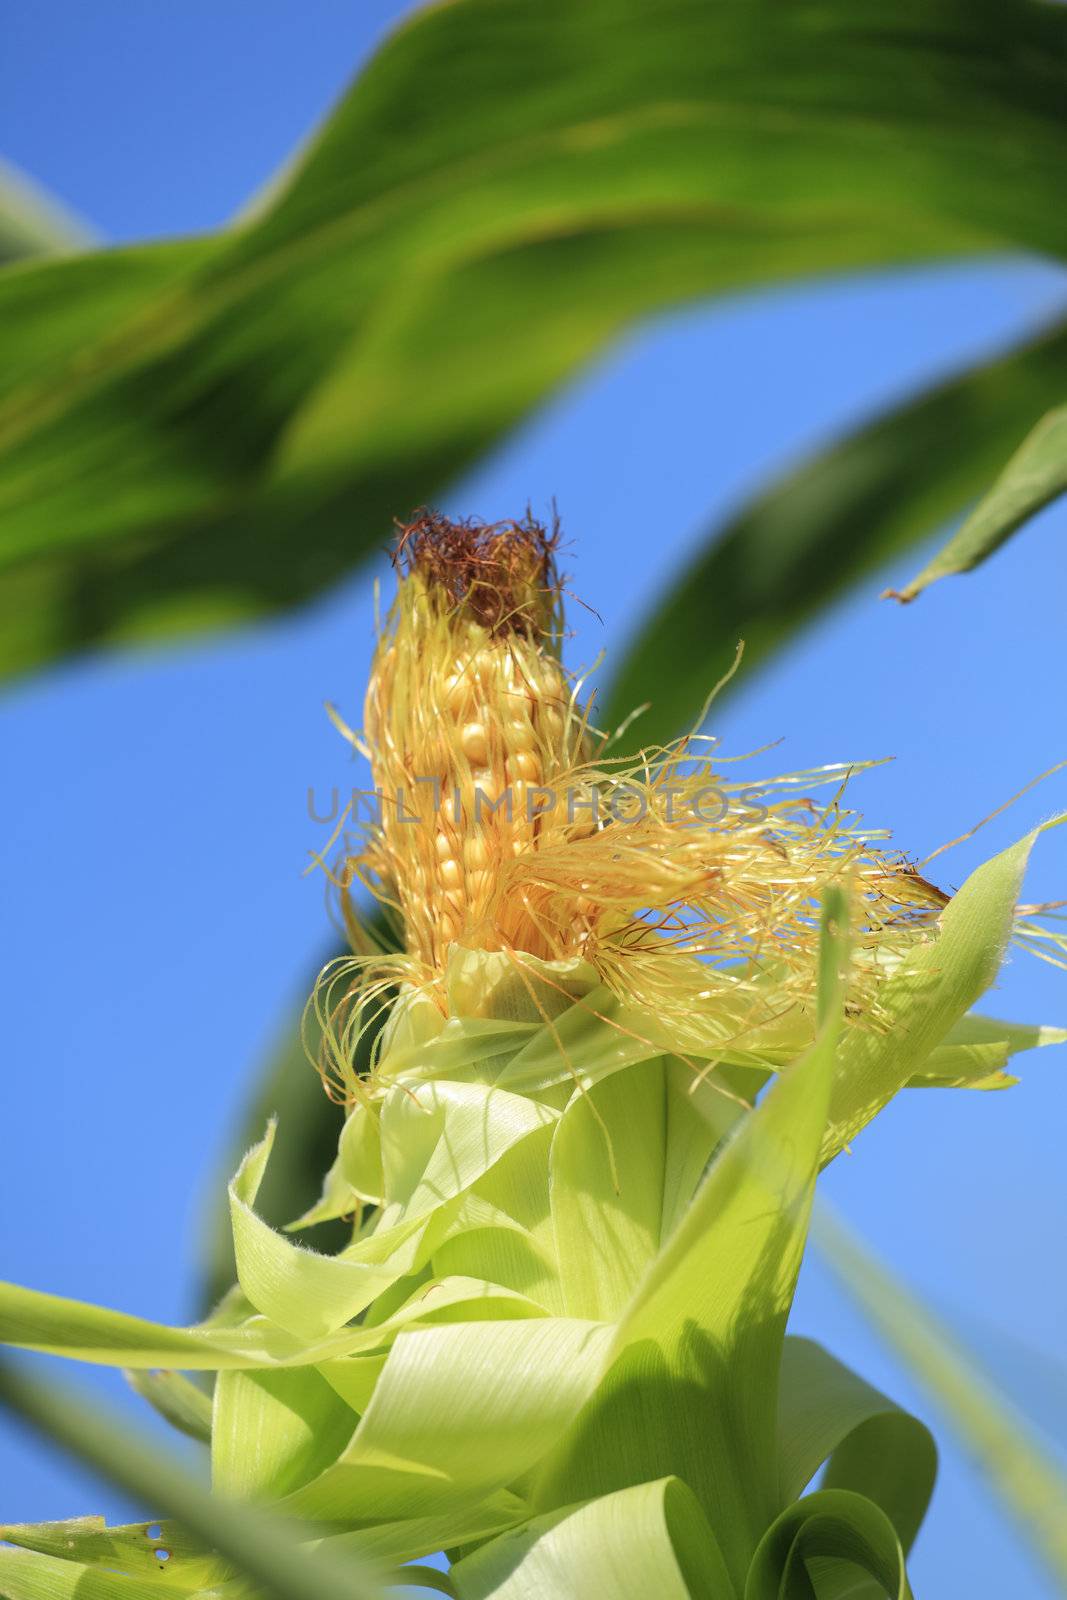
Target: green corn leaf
1028, 1481
36, 1577
839, 515
415, 1576
649, 1540
195, 433
1034, 477
255, 1544
1030, 1377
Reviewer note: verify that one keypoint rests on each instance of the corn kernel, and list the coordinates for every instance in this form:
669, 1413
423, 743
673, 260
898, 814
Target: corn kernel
523, 764
451, 874
475, 744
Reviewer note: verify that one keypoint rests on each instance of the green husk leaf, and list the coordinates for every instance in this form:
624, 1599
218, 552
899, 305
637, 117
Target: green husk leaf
818, 1548
928, 996
692, 1391
273, 1431
976, 1050
607, 1189
438, 1139
184, 1404
458, 1413
503, 1229
626, 1158
308, 1294
827, 1413
652, 1539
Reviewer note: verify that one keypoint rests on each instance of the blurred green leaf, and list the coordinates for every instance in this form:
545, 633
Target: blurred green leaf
1029, 1482
1031, 1378
839, 516
256, 1544
194, 433
33, 223
1034, 477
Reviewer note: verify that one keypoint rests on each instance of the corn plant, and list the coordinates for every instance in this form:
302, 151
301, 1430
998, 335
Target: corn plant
630, 1008
617, 1005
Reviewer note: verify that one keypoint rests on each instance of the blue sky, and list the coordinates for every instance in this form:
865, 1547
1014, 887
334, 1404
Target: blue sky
155, 827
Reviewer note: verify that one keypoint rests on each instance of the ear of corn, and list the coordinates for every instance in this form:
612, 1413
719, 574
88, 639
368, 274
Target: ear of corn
506, 826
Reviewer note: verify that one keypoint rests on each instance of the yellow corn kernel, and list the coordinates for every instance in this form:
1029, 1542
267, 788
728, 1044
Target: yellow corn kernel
451, 874
475, 743
523, 764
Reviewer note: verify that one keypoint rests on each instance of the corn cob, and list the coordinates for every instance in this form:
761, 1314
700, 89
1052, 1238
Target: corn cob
471, 724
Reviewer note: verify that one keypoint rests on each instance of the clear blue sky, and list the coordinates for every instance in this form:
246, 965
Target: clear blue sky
155, 828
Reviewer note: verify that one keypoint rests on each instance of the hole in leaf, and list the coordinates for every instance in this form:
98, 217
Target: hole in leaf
153, 1531
162, 1555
